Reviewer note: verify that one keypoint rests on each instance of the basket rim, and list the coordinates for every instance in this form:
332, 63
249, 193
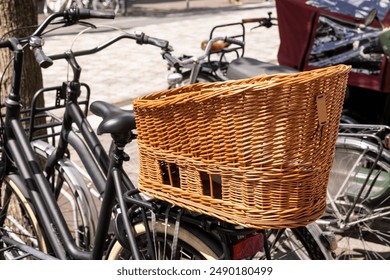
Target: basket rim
201, 92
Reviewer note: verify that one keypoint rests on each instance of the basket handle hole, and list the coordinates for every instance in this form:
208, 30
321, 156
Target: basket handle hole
211, 184
170, 174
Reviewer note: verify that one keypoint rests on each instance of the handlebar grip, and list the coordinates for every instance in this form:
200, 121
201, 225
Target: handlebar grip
5, 44
248, 20
142, 38
87, 13
102, 14
156, 42
234, 41
43, 60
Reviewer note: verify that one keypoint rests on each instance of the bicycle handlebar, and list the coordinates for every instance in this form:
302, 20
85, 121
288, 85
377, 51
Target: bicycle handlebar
234, 41
70, 17
43, 60
86, 14
262, 21
73, 16
175, 62
139, 38
145, 39
250, 20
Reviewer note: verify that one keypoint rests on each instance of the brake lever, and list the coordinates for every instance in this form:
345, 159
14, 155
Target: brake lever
264, 23
256, 27
59, 20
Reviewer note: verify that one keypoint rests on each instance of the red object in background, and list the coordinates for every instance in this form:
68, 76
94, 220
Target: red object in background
298, 23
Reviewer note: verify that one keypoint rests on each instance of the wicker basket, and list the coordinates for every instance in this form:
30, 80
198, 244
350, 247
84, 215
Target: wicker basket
254, 152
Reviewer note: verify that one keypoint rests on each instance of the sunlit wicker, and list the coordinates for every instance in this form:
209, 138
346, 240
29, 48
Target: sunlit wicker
254, 152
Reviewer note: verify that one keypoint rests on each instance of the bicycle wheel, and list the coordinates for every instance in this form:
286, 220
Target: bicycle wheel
302, 243
106, 5
17, 219
289, 244
73, 196
191, 244
361, 222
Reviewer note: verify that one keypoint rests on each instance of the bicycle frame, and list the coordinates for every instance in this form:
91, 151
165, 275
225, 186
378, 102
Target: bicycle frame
92, 150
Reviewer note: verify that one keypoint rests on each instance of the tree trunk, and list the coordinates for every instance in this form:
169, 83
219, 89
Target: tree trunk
15, 16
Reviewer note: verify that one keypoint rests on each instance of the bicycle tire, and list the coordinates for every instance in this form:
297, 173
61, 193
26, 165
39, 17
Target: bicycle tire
18, 220
74, 198
192, 244
289, 244
367, 234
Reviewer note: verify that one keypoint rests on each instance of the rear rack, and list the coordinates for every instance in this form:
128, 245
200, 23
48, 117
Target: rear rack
231, 30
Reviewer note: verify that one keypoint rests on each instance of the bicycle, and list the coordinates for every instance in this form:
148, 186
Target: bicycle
358, 193
190, 219
15, 195
223, 57
55, 6
199, 233
358, 197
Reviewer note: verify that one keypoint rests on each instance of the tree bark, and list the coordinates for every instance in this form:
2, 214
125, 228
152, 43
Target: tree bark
17, 19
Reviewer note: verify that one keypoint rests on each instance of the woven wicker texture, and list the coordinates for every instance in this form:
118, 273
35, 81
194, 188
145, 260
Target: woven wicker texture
254, 152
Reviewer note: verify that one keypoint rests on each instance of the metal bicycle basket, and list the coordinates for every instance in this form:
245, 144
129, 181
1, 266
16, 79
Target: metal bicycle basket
255, 152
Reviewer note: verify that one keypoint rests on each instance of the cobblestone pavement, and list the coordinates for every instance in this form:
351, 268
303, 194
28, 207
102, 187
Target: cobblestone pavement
125, 70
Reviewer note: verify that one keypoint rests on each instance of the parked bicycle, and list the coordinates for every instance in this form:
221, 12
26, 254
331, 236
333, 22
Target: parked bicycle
223, 58
358, 197
55, 6
25, 215
142, 229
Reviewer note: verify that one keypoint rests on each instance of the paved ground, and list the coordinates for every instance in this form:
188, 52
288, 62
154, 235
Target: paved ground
126, 70
162, 7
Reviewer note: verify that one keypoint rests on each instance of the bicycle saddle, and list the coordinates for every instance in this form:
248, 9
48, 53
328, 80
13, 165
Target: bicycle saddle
246, 67
115, 120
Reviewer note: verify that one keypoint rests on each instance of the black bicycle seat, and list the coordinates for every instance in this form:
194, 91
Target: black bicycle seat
246, 67
115, 120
